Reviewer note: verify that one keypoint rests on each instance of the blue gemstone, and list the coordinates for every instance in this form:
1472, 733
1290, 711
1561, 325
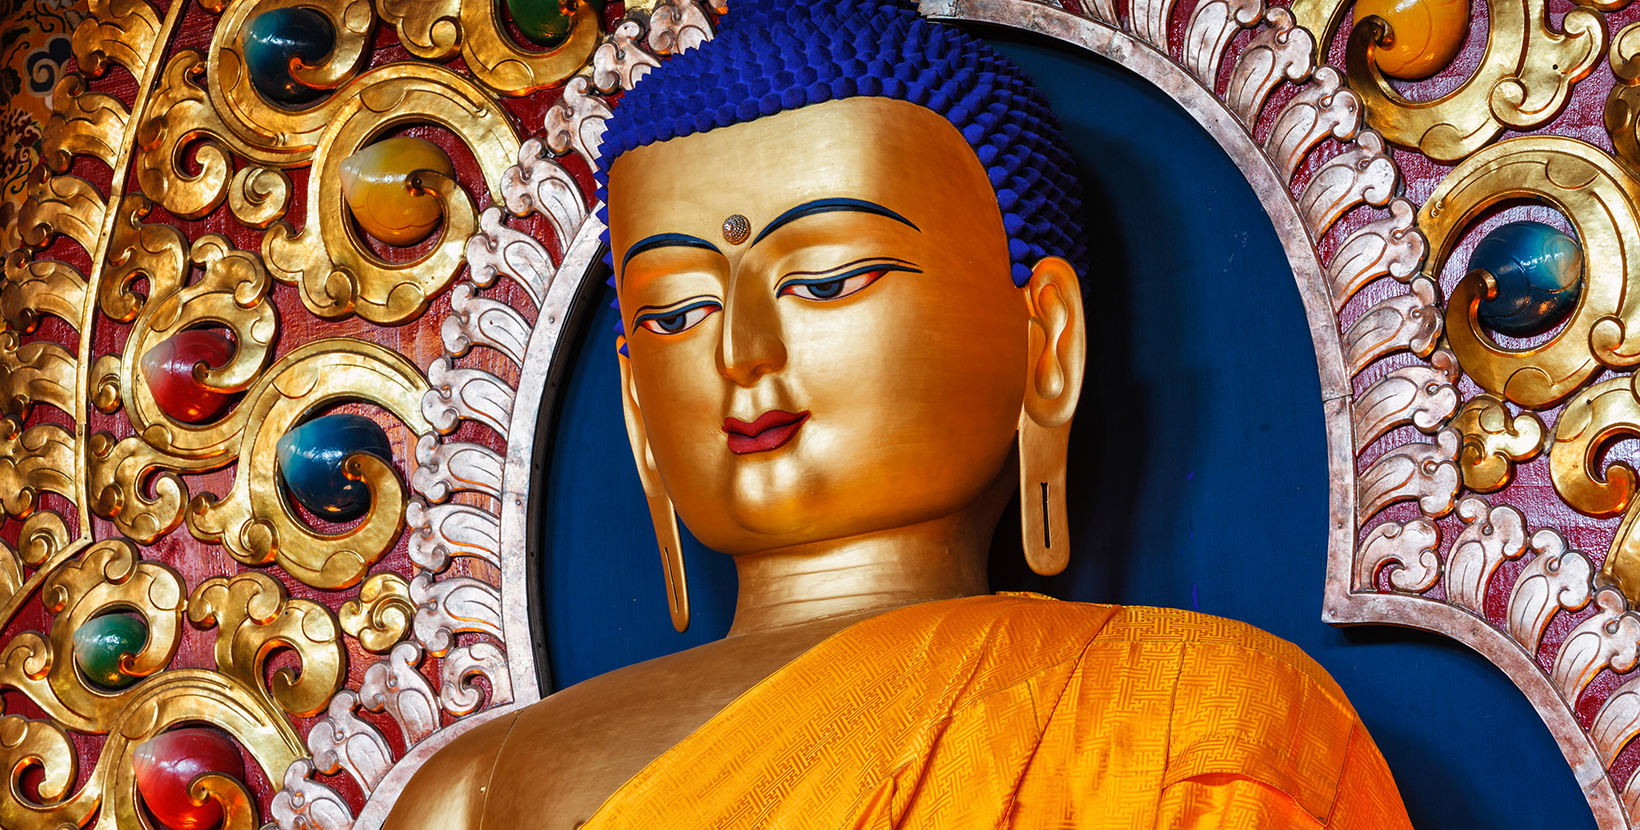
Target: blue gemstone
273, 38
1538, 271
311, 459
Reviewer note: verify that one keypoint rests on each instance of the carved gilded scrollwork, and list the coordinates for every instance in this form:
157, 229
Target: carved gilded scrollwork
1597, 196
122, 31
441, 29
380, 617
1524, 79
254, 522
107, 578
1596, 417
254, 616
82, 123
1494, 442
338, 275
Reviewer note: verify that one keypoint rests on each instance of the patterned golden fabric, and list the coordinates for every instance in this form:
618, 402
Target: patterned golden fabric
1028, 713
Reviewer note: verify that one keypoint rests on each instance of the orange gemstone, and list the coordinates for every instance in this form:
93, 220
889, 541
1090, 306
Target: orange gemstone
1425, 35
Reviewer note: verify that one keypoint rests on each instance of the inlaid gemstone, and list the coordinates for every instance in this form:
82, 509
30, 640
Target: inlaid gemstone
546, 22
311, 464
378, 185
168, 763
173, 368
1424, 37
1538, 274
101, 643
277, 39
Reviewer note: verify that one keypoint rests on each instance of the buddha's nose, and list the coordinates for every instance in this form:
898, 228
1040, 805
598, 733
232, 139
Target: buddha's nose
752, 344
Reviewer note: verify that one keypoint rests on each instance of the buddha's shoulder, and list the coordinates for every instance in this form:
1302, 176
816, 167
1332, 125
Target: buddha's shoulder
1202, 645
450, 789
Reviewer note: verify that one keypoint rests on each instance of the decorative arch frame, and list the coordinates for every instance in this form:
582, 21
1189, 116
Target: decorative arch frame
1401, 440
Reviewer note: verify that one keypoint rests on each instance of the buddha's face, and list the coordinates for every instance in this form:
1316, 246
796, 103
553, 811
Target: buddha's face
855, 361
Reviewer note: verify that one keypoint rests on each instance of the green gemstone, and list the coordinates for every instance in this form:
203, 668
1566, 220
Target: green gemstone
101, 642
546, 22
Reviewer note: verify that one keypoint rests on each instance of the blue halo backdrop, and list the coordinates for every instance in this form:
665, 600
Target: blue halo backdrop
1198, 470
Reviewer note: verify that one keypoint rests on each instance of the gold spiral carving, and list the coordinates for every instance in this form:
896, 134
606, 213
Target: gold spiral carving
337, 274
441, 29
1524, 79
1599, 198
254, 522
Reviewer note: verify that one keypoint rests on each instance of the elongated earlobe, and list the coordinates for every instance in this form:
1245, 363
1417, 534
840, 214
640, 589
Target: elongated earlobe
661, 514
1056, 362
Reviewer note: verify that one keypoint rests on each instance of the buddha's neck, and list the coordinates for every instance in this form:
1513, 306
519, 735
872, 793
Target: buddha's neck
865, 574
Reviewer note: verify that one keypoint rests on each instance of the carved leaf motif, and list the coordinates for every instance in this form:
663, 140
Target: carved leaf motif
1493, 442
341, 741
441, 531
537, 184
451, 606
1149, 20
473, 394
1556, 578
500, 251
1490, 535
83, 123
446, 467
33, 288
1362, 174
1211, 27
1410, 547
1390, 245
1609, 639
576, 122
1408, 322
1324, 107
37, 372
479, 321
1427, 473
123, 31
458, 694
1424, 396
1617, 722
395, 686
67, 205
619, 62
1280, 51
678, 26
32, 462
305, 804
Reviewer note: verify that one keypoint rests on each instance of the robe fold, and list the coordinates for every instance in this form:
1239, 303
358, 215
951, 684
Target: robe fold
1024, 712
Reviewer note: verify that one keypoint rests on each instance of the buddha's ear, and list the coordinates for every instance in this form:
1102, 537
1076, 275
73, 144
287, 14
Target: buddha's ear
1056, 364
661, 513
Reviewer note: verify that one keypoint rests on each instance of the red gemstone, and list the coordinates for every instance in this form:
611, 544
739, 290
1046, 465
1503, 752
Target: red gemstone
168, 369
169, 762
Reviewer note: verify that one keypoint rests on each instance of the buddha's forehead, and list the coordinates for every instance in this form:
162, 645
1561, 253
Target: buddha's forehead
893, 153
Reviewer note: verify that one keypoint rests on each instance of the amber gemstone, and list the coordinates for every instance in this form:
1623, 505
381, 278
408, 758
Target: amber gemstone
379, 186
1424, 37
170, 371
168, 763
102, 642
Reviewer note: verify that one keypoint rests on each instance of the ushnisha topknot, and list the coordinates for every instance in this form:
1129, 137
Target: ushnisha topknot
770, 56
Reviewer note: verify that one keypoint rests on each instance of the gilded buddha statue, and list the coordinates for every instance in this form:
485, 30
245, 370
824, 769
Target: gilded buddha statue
844, 244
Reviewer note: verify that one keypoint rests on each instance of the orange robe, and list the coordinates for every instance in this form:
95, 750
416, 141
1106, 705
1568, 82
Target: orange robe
1031, 713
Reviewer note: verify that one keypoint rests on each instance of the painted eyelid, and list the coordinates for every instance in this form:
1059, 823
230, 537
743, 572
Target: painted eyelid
884, 267
673, 312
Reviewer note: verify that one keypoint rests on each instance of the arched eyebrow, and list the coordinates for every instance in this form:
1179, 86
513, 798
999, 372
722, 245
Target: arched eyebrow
665, 240
829, 206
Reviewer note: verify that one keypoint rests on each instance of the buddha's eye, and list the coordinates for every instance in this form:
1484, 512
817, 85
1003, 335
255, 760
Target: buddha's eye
836, 287
678, 320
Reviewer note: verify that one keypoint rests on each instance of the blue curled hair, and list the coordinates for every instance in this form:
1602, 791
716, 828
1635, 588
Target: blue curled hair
768, 57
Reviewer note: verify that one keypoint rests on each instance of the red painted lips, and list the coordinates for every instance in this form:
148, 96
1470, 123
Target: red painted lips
771, 429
